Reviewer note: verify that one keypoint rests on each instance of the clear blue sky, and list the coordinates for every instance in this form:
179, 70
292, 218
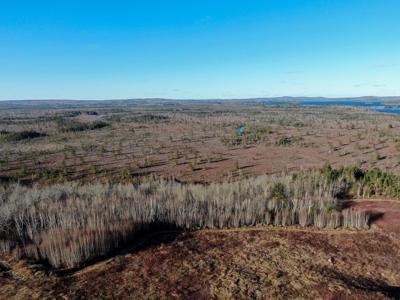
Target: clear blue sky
198, 49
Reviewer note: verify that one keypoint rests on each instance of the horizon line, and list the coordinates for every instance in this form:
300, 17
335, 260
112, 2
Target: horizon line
202, 99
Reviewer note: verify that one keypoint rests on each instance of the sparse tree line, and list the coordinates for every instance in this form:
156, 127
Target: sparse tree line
62, 126
19, 136
75, 126
366, 183
68, 224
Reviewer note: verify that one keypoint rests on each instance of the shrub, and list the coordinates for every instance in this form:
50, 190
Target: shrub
278, 192
249, 136
74, 126
366, 183
149, 118
284, 141
21, 135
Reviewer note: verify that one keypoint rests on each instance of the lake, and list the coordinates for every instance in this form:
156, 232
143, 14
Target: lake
343, 102
373, 105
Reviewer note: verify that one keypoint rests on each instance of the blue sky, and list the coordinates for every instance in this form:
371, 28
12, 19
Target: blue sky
198, 49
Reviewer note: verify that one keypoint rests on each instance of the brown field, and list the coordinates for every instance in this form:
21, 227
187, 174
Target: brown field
116, 152
194, 142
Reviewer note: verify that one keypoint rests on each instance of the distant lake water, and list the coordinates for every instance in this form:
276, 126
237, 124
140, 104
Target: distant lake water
372, 105
345, 103
391, 110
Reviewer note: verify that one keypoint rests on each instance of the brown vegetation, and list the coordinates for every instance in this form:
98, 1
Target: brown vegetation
192, 142
248, 263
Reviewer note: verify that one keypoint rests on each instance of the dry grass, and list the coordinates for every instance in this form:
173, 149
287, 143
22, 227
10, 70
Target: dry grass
246, 263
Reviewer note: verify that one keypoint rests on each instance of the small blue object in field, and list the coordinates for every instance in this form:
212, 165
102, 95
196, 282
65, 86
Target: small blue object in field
240, 130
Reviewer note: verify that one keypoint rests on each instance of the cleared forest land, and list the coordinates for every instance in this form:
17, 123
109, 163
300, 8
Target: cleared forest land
189, 141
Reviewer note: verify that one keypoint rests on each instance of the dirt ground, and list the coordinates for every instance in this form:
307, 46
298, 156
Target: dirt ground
195, 143
385, 212
248, 263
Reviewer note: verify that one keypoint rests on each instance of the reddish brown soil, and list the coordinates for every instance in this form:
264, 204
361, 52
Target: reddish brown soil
86, 117
193, 147
385, 213
248, 263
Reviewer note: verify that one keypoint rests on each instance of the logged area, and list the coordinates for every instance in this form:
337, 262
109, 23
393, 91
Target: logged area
189, 141
198, 200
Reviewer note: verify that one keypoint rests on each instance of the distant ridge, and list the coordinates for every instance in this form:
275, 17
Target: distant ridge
54, 103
